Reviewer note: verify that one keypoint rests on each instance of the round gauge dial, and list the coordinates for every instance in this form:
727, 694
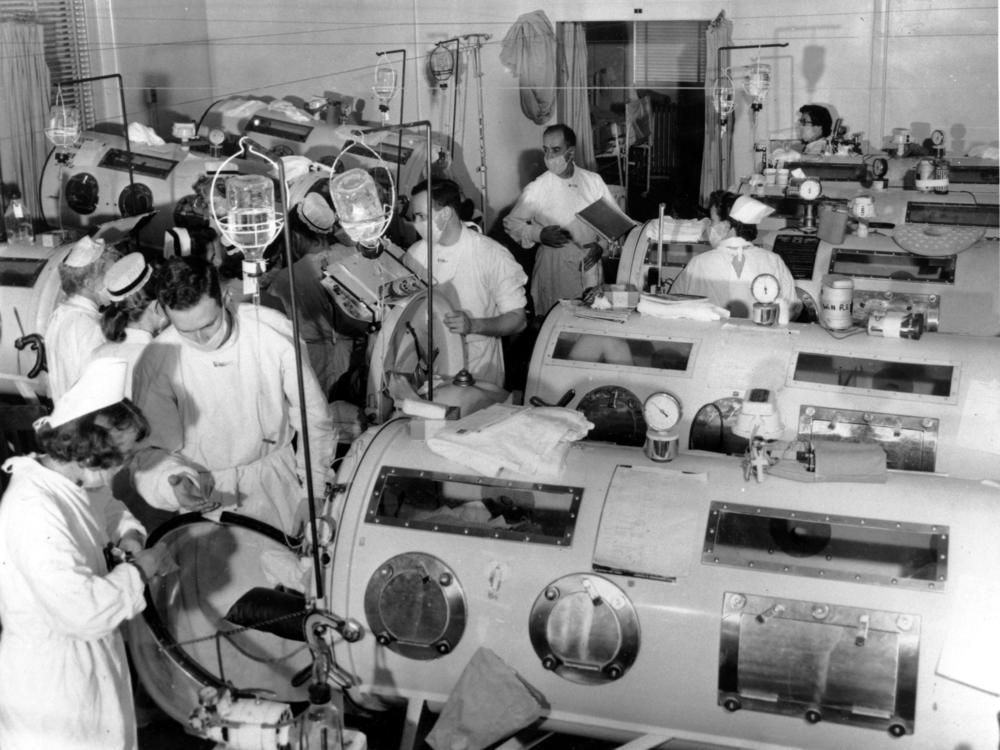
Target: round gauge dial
937, 137
216, 137
810, 189
765, 287
662, 411
880, 167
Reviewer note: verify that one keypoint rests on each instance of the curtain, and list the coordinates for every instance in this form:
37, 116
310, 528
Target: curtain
572, 103
719, 34
24, 91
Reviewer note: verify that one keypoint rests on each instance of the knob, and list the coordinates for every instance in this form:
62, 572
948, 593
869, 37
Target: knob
445, 579
384, 639
732, 704
550, 662
614, 671
813, 716
551, 593
897, 730
442, 647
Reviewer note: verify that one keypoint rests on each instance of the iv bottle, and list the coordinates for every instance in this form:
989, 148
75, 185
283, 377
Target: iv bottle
16, 220
322, 724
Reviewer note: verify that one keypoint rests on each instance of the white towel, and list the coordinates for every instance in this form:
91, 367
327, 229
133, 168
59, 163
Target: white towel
523, 440
694, 309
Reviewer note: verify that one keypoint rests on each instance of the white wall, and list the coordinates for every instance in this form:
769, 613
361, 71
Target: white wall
924, 64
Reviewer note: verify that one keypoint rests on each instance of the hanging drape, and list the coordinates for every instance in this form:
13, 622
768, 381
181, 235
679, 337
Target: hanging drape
24, 93
529, 52
572, 103
719, 34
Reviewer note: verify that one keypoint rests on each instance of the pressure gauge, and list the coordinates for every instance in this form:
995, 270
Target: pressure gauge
765, 288
216, 137
662, 411
810, 189
937, 137
879, 168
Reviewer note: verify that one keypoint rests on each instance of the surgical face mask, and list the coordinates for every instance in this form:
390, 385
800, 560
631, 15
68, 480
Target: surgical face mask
556, 164
438, 220
91, 479
717, 233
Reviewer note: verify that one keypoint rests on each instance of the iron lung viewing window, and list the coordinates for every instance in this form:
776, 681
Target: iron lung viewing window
875, 374
861, 550
475, 506
623, 351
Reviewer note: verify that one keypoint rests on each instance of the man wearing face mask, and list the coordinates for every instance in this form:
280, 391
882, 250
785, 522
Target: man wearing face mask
219, 388
569, 253
74, 330
725, 273
477, 275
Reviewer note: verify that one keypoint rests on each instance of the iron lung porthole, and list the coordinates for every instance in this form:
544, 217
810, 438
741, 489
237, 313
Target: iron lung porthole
135, 199
415, 606
585, 629
82, 192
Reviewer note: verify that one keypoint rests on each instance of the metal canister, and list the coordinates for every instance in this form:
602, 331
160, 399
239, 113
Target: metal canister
836, 299
896, 325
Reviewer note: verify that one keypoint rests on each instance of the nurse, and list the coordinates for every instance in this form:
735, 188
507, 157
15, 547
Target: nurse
64, 680
724, 274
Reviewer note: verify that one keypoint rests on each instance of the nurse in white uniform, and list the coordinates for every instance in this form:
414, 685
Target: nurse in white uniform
724, 274
64, 680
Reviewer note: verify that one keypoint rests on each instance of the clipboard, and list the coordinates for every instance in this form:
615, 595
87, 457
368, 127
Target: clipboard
606, 220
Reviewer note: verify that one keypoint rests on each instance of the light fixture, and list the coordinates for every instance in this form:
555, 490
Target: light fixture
63, 127
759, 416
441, 64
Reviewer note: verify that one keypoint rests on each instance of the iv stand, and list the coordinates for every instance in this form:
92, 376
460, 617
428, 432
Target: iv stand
718, 72
402, 103
121, 98
429, 238
476, 44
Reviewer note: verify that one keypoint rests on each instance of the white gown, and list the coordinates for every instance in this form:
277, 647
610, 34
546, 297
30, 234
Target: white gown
548, 200
64, 679
73, 332
232, 411
714, 275
481, 277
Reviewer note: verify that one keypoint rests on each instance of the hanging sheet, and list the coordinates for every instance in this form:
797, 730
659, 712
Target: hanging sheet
529, 52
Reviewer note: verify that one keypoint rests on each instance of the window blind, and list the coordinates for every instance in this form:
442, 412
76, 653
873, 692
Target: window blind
66, 45
666, 52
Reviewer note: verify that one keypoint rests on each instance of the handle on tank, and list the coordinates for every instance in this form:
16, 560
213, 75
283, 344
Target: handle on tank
566, 398
36, 342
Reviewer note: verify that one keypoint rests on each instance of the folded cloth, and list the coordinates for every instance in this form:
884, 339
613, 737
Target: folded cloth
490, 702
143, 135
524, 440
695, 309
673, 230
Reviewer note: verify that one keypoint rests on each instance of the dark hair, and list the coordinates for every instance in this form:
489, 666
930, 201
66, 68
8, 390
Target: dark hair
116, 316
444, 194
185, 281
83, 441
567, 133
818, 115
723, 202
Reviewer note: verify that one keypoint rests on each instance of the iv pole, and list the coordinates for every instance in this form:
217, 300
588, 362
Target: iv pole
718, 74
121, 98
476, 44
402, 103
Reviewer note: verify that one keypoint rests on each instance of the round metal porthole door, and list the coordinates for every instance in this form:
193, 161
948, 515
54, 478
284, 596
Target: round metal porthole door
82, 193
585, 629
135, 199
415, 606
